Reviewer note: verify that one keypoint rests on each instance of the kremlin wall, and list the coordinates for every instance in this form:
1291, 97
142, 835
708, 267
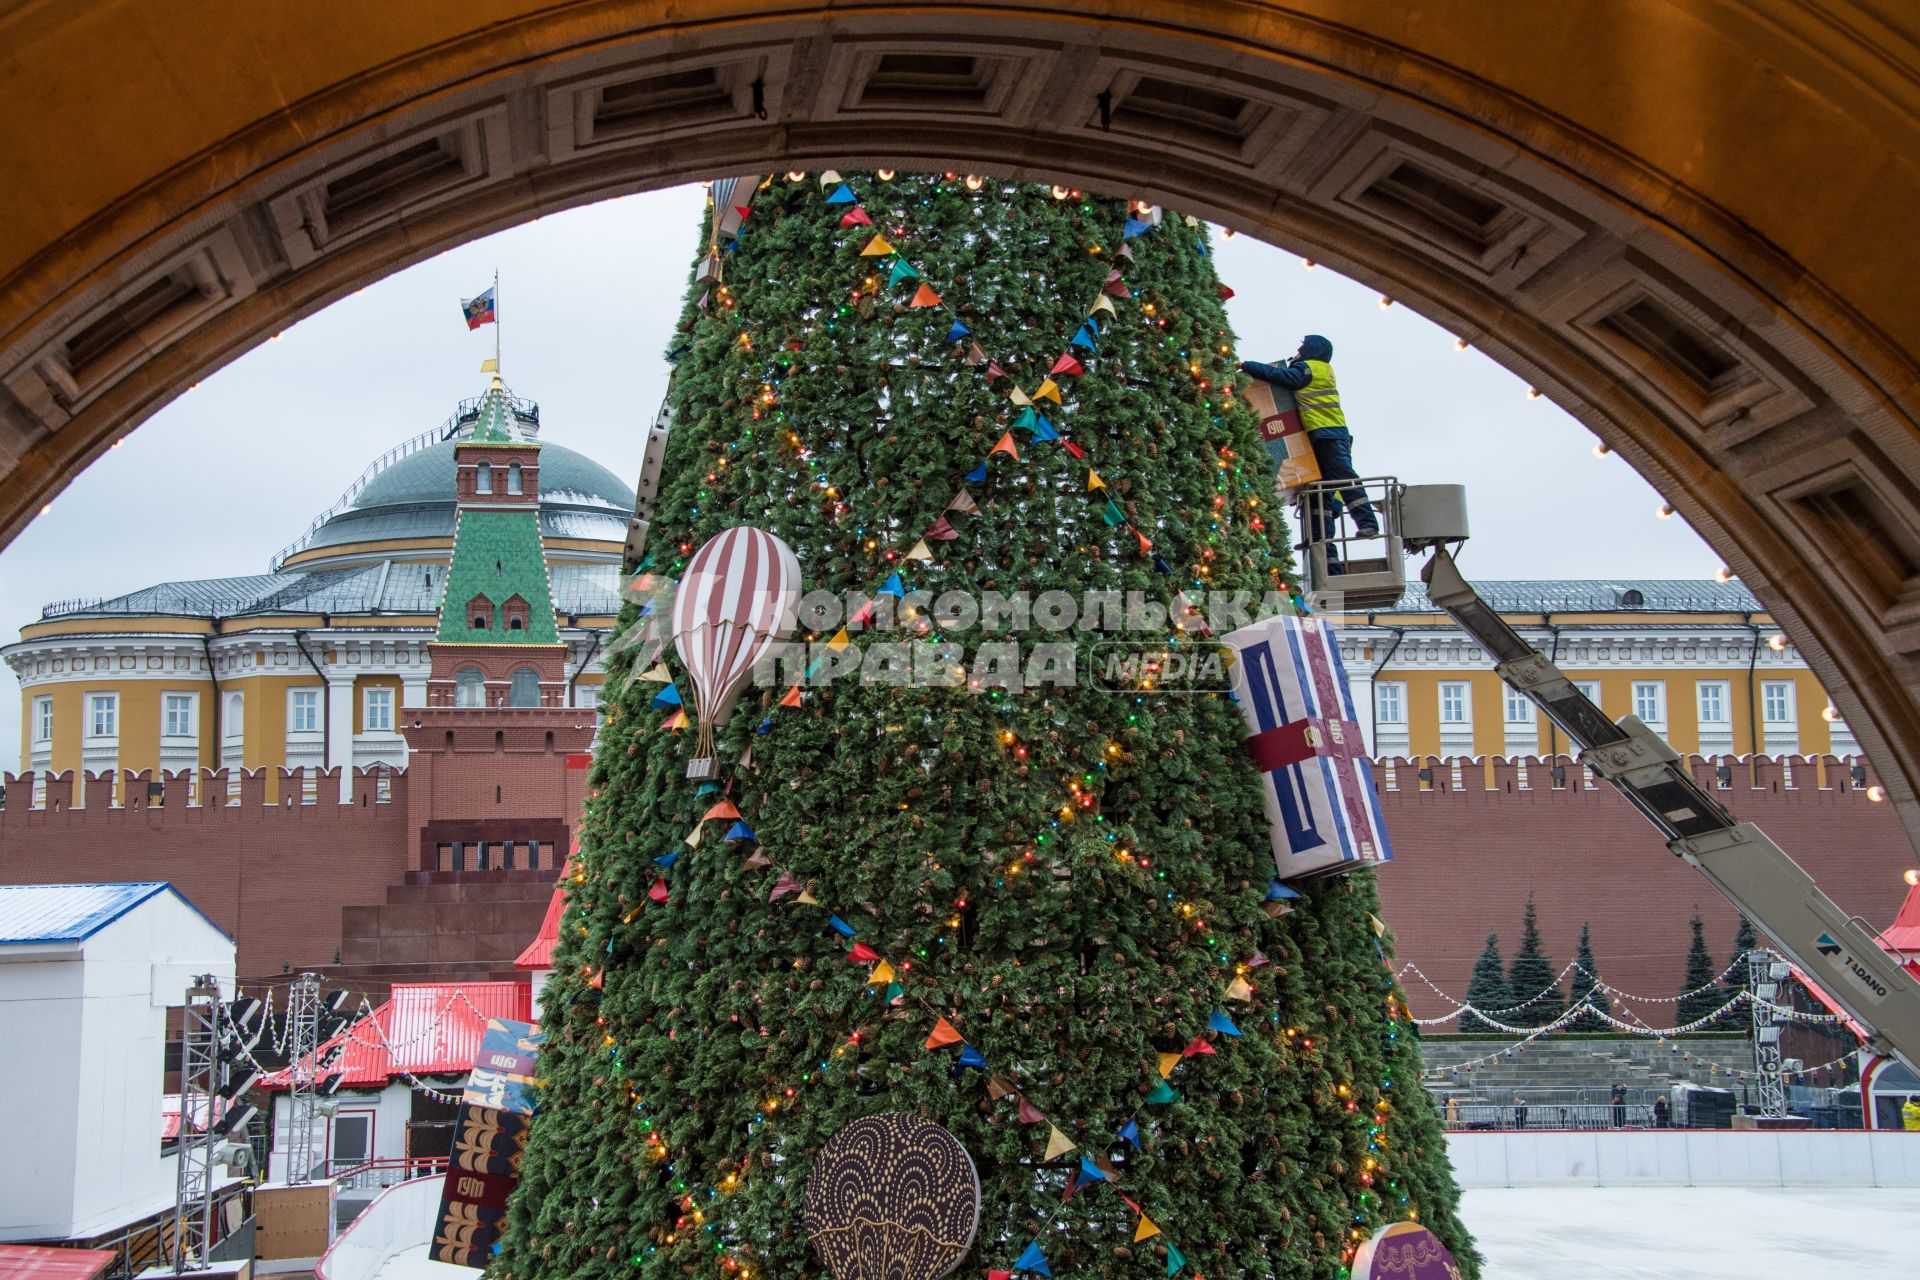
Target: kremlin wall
354, 771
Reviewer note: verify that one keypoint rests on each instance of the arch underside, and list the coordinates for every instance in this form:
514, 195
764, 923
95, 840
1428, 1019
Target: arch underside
1684, 222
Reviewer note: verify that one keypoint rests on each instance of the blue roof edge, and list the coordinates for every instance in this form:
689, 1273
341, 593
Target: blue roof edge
153, 889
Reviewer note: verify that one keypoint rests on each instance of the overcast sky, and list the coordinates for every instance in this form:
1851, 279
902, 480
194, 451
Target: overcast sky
215, 483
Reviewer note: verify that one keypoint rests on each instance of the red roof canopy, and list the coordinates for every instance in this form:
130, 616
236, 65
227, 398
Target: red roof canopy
1903, 934
36, 1262
423, 1029
539, 953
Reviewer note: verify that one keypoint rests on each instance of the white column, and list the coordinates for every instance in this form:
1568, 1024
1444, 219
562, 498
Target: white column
340, 729
413, 691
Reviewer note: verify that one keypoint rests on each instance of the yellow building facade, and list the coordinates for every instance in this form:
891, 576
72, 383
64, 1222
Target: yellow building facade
316, 662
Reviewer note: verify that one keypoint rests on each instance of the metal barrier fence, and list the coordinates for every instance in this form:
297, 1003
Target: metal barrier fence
1548, 1115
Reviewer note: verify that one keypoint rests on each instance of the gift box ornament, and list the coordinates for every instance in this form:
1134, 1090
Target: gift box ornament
1322, 806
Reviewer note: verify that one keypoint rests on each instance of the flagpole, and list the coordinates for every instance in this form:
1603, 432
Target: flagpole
496, 321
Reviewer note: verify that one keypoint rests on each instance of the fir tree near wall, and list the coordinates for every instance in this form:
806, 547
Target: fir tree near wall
1487, 990
1585, 992
1700, 994
1532, 981
1037, 918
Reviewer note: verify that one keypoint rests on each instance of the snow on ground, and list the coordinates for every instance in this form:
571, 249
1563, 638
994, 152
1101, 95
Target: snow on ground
1694, 1233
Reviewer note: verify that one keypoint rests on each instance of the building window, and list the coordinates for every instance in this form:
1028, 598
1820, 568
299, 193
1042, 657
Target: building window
1390, 702
1714, 708
303, 711
43, 719
1650, 701
1453, 703
177, 715
235, 726
525, 689
1589, 688
103, 715
1519, 707
515, 611
480, 611
513, 478
377, 711
483, 478
1776, 702
469, 687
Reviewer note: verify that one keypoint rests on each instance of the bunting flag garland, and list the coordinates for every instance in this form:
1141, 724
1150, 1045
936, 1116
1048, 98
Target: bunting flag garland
1239, 989
1146, 1230
1163, 1092
791, 698
1222, 1023
978, 475
1033, 1260
999, 1275
840, 641
1029, 1114
840, 926
1113, 515
1101, 303
667, 860
902, 270
659, 890
958, 332
963, 502
1168, 1061
1225, 293
1018, 396
1043, 430
806, 896
998, 1087
656, 674
1028, 417
1175, 1259
667, 697
941, 530
1130, 1132
892, 586
1058, 1143
855, 217
1091, 1171
678, 720
1005, 446
881, 975
876, 247
739, 831
1146, 543
1048, 391
1135, 227
943, 1034
695, 836
1067, 364
976, 354
994, 370
1116, 286
842, 195
862, 954
1195, 1048
1084, 336
921, 551
755, 860
970, 1057
1160, 564
1094, 481
783, 886
724, 809
925, 297
829, 178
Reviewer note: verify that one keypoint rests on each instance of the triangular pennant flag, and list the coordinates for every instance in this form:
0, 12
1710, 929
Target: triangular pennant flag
1126, 251
998, 1087
695, 836
840, 926
745, 212
791, 698
943, 1034
942, 530
855, 217
1043, 430
1175, 1258
806, 896
1113, 514
1102, 303
1048, 391
783, 886
994, 370
1146, 1230
1374, 923
739, 831
876, 247
724, 809
976, 354
659, 891
902, 270
1160, 564
1239, 989
1084, 336
1028, 417
1225, 293
1033, 1260
892, 587
1168, 1061
840, 640
668, 859
1190, 220
1277, 891
706, 299
862, 954
1116, 286
882, 974
678, 720
1135, 227
829, 178
895, 993
1005, 446
755, 860
1259, 960
669, 696
963, 502
921, 551
1058, 1143
1222, 1023
1073, 448
1094, 481
924, 296
1091, 1171
1019, 397
842, 194
1146, 543
1074, 1183
1195, 1048
958, 332
863, 614
656, 674
1030, 1114
970, 1057
978, 474
1130, 1132
1162, 1092
1067, 364
999, 1275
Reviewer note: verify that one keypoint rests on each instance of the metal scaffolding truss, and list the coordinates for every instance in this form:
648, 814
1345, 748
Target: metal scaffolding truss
303, 1070
199, 1130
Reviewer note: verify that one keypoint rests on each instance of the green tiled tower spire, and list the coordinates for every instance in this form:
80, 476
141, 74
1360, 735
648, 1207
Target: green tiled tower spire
497, 588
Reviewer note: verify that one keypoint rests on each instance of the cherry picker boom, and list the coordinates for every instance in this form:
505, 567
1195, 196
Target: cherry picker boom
1838, 950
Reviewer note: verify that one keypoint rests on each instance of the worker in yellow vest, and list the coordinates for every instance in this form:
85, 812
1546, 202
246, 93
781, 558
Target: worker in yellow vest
1309, 375
1910, 1116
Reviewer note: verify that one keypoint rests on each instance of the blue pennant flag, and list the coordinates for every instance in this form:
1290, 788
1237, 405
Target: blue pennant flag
733, 245
766, 726
1084, 338
1222, 1023
958, 332
1089, 1170
970, 1057
840, 926
1200, 243
1131, 1132
667, 697
1278, 892
1160, 563
978, 475
1135, 227
893, 587
1042, 429
739, 831
843, 194
1033, 1260
668, 859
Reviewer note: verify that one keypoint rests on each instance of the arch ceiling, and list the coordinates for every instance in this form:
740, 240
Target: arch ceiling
1687, 221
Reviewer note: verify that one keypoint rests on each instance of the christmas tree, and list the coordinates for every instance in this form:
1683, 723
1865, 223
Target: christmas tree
1531, 980
1586, 993
1700, 994
1035, 910
1487, 990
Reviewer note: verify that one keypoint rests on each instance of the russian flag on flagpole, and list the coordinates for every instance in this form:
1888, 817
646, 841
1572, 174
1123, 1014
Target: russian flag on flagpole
479, 311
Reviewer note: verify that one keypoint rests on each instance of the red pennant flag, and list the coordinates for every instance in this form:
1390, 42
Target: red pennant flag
1067, 364
999, 1275
1029, 1114
659, 891
942, 530
924, 296
1196, 1048
724, 809
1116, 286
943, 1034
743, 211
862, 954
855, 217
792, 698
863, 614
1073, 448
599, 980
783, 886
994, 370
1225, 293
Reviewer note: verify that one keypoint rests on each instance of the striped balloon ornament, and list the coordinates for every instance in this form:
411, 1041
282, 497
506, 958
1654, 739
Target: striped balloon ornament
735, 601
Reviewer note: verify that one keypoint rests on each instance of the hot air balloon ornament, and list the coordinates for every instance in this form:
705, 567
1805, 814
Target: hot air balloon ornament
736, 600
892, 1197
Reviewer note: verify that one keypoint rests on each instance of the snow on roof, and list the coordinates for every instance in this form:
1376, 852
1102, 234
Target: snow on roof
32, 913
423, 1029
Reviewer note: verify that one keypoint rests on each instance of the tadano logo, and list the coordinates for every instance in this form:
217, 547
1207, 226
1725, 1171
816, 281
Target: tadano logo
1148, 668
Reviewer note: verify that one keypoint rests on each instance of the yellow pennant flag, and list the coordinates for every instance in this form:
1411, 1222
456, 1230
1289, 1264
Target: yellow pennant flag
1058, 1143
1168, 1061
1094, 481
1238, 989
882, 974
1103, 303
921, 551
807, 898
1146, 1230
1019, 397
679, 721
1048, 391
656, 674
1373, 923
693, 837
876, 248
840, 640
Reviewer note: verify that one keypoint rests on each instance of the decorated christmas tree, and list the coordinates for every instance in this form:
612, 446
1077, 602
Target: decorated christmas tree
1026, 898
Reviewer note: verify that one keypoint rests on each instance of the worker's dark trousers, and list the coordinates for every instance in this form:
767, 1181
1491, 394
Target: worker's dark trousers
1333, 450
